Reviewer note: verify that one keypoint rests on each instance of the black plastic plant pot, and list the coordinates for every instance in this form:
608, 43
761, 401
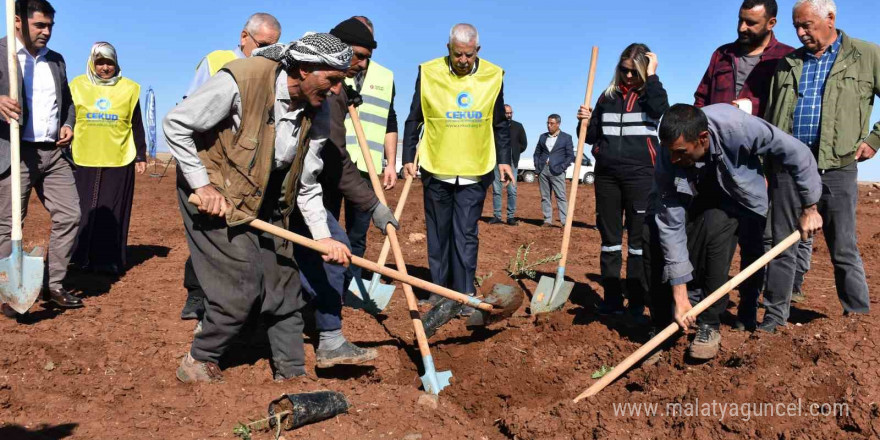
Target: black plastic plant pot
307, 408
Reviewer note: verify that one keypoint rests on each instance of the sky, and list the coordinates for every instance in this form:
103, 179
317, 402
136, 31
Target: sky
543, 47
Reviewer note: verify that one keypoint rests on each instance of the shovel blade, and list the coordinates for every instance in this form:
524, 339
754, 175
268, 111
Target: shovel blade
551, 294
506, 299
21, 278
369, 295
434, 381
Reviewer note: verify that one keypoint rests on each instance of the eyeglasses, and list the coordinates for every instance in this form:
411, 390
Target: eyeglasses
258, 43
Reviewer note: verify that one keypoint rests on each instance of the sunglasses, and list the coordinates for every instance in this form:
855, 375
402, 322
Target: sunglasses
624, 71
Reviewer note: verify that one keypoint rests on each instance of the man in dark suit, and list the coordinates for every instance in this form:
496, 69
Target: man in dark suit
518, 144
45, 110
553, 155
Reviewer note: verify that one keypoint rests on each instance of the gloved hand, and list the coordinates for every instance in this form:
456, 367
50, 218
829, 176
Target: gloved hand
382, 216
354, 98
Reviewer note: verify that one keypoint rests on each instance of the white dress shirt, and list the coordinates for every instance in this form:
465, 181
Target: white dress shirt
39, 92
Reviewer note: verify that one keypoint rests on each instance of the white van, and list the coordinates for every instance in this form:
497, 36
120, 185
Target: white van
526, 171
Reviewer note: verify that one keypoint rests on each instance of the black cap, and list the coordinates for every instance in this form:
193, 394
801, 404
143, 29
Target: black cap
355, 33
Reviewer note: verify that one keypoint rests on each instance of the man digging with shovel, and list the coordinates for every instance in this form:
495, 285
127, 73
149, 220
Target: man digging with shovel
708, 190
249, 144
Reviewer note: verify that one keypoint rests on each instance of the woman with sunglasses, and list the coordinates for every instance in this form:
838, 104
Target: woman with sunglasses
109, 147
623, 132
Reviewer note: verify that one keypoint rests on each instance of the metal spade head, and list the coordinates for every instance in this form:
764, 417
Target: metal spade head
551, 294
21, 278
434, 381
371, 296
506, 300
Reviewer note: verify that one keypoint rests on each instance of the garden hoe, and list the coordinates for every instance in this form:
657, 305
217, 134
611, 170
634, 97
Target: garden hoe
21, 275
551, 294
373, 296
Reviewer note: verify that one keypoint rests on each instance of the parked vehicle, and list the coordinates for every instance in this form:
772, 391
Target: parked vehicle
528, 174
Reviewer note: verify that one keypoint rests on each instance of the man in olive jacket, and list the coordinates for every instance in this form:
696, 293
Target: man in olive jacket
822, 94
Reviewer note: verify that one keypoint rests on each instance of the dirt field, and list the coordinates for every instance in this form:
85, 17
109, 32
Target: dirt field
107, 371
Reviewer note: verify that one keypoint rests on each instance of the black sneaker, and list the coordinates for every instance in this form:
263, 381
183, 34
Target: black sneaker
346, 354
194, 308
495, 221
512, 222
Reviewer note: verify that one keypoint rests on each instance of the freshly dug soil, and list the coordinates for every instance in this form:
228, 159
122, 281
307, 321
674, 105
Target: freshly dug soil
107, 370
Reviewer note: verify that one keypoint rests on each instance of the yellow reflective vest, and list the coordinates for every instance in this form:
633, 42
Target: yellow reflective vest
218, 58
102, 136
458, 139
373, 112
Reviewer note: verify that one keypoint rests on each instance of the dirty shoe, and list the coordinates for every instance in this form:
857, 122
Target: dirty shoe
346, 354
191, 370
705, 345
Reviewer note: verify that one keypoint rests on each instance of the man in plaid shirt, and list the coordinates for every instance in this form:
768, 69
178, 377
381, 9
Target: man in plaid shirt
822, 94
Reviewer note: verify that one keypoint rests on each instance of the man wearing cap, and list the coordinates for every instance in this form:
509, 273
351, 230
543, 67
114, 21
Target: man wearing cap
248, 143
459, 100
326, 282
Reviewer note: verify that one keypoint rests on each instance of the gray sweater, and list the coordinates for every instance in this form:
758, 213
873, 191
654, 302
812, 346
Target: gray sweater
737, 141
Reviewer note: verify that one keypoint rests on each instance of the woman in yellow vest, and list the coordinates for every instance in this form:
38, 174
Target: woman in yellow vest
108, 147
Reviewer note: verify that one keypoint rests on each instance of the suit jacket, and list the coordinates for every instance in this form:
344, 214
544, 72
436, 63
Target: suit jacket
560, 158
518, 142
66, 108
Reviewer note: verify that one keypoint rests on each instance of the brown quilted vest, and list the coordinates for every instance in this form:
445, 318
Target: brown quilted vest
239, 163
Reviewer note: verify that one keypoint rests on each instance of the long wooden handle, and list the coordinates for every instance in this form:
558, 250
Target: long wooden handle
671, 329
391, 235
361, 262
582, 137
14, 127
398, 212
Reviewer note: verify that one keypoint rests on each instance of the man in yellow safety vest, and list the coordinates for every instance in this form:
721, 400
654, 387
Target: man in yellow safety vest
459, 100
260, 30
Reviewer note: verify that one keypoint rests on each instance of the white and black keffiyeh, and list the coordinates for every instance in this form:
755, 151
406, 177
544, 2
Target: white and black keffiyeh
315, 48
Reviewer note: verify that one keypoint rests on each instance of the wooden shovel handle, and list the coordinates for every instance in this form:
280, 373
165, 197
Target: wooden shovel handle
398, 212
360, 262
582, 136
14, 127
671, 329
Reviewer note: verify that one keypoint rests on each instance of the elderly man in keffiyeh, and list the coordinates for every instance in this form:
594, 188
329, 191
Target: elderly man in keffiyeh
248, 143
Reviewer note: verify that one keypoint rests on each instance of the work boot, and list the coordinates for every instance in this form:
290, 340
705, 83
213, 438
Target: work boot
511, 221
767, 327
191, 371
62, 298
346, 354
495, 221
705, 344
798, 297
194, 307
432, 300
548, 224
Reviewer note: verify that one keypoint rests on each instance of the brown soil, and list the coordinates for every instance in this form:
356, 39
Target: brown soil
107, 370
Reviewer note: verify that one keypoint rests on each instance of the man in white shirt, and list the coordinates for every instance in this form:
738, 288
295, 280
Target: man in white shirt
47, 114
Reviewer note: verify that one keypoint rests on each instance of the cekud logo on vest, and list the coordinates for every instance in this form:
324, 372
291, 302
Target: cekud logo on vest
103, 104
464, 101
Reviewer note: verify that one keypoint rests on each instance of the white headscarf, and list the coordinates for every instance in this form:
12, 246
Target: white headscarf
102, 49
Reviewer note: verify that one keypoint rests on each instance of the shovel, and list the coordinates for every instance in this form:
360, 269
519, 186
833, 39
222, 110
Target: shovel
433, 381
670, 330
551, 294
21, 275
372, 295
